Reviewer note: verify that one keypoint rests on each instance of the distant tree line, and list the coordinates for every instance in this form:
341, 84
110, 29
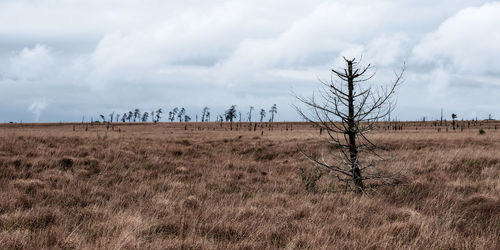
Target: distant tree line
179, 114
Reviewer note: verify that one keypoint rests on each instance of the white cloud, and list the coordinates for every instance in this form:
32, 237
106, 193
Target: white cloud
312, 39
468, 42
32, 63
387, 50
458, 62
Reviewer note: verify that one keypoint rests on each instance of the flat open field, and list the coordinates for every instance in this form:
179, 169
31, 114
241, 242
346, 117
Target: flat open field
203, 186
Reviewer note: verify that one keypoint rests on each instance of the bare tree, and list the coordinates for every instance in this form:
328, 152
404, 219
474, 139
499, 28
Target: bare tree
230, 115
145, 117
137, 114
262, 114
158, 115
204, 114
181, 114
130, 115
171, 114
441, 122
111, 117
273, 111
347, 111
453, 117
103, 118
250, 114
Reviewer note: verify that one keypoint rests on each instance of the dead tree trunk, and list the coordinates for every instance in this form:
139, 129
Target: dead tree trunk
351, 126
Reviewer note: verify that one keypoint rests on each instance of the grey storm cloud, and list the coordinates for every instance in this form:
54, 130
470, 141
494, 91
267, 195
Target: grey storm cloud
61, 60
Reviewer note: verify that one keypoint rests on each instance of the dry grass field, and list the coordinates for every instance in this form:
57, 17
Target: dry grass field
203, 186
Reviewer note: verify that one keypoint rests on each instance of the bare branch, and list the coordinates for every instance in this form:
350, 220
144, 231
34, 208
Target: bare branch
347, 116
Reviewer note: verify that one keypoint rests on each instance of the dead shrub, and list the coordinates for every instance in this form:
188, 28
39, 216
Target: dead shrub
310, 178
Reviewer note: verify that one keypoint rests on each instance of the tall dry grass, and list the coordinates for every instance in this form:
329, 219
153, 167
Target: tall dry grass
203, 186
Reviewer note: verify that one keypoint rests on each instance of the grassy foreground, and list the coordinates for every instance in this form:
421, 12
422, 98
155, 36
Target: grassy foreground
202, 186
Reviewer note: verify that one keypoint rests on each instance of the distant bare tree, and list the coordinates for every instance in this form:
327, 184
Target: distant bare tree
187, 118
262, 114
250, 114
230, 114
111, 116
273, 111
181, 114
204, 114
103, 118
124, 117
453, 117
130, 115
172, 114
137, 114
441, 122
347, 111
158, 115
117, 117
145, 117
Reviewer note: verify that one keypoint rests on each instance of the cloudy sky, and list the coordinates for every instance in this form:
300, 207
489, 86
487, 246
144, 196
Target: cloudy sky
65, 59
